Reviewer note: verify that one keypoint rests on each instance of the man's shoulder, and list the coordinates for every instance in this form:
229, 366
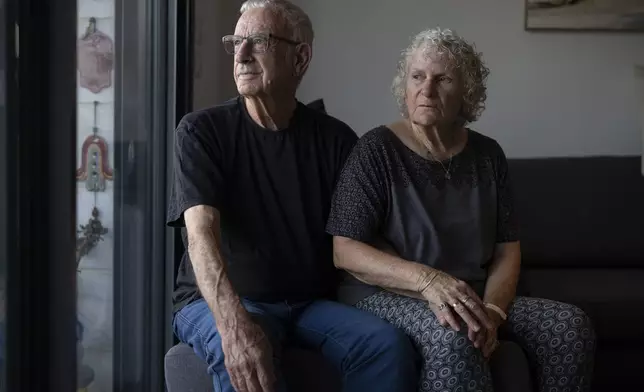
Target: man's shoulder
211, 119
329, 125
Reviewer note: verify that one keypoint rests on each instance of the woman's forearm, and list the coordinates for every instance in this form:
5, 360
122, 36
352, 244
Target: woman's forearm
406, 293
503, 276
380, 268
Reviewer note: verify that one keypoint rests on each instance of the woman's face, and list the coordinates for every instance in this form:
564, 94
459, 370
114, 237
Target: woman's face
433, 90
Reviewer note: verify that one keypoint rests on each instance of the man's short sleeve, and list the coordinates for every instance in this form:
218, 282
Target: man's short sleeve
198, 177
358, 206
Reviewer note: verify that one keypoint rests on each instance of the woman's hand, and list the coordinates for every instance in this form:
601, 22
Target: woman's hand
491, 335
451, 299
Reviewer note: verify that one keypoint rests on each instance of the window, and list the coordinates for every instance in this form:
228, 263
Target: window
86, 114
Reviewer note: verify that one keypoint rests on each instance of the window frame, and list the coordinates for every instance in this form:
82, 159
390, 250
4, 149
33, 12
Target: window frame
40, 224
145, 117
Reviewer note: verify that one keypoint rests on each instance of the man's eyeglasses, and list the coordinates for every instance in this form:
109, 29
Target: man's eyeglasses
259, 43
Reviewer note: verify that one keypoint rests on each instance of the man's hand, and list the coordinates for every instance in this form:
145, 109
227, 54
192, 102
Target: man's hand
248, 355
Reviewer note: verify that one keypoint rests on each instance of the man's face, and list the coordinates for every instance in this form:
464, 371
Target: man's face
262, 73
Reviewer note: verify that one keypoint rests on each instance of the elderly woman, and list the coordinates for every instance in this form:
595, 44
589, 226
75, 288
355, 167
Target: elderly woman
423, 222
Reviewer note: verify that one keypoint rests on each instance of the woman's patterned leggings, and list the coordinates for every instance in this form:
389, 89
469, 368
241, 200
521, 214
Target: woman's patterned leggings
558, 339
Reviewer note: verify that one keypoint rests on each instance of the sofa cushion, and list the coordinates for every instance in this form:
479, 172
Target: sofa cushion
305, 370
580, 212
185, 372
612, 298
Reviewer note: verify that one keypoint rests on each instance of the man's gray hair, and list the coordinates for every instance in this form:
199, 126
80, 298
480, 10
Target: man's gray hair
461, 55
297, 20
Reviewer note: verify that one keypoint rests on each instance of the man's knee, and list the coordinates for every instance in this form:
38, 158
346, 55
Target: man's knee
195, 326
389, 343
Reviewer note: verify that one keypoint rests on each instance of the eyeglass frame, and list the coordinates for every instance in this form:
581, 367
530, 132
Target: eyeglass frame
269, 36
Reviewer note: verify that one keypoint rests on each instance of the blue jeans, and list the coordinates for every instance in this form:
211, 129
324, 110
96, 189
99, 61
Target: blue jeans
372, 354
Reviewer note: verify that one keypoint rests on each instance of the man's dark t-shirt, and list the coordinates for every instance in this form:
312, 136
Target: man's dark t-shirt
273, 191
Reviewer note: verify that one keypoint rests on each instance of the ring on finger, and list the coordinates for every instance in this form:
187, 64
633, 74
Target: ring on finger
442, 306
465, 299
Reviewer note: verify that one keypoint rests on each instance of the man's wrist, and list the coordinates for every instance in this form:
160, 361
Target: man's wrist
230, 313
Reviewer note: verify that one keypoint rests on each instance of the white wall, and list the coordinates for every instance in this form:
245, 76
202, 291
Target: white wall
550, 94
213, 69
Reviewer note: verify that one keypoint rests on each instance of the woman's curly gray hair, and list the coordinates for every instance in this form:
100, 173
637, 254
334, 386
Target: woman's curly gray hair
461, 55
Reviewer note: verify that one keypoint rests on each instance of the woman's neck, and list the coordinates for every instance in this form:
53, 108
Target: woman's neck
430, 142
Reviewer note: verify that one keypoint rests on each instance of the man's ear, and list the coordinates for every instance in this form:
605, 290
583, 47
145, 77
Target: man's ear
303, 55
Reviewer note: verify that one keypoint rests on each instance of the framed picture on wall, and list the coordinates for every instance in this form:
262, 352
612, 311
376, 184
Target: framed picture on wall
599, 15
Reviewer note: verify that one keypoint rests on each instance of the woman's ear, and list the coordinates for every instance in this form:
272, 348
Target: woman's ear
302, 59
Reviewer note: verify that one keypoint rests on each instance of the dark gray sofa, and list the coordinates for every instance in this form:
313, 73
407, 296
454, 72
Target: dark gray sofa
307, 371
582, 233
582, 222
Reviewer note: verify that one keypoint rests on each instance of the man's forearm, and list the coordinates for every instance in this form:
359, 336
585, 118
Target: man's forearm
210, 272
503, 276
375, 267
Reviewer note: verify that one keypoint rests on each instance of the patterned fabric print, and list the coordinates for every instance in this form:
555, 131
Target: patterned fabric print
558, 338
450, 361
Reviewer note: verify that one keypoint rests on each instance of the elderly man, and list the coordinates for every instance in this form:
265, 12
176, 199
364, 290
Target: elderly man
253, 184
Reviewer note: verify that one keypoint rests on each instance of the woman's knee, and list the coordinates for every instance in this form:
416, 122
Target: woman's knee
450, 358
450, 346
580, 331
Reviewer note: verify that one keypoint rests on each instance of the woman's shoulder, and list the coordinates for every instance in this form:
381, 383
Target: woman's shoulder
484, 144
376, 141
373, 151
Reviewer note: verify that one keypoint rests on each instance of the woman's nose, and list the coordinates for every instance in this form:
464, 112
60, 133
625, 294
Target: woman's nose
428, 88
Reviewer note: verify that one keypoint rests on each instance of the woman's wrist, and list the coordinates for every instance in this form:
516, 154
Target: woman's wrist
492, 308
428, 276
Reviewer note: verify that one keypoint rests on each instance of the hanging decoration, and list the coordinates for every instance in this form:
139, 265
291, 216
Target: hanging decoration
89, 235
95, 59
94, 170
95, 166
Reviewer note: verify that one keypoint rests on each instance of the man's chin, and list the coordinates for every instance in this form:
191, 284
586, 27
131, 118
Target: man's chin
248, 90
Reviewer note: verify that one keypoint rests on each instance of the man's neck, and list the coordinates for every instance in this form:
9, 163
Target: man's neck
271, 113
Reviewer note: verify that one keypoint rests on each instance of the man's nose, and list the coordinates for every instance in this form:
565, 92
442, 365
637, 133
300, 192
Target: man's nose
244, 52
